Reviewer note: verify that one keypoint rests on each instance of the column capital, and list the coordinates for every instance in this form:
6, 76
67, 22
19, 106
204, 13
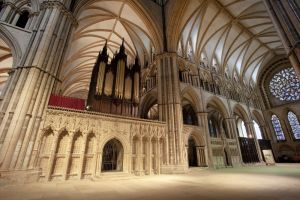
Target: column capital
165, 54
61, 7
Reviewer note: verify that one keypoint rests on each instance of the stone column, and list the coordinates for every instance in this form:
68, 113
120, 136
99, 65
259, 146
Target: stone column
157, 157
37, 72
6, 11
82, 156
149, 156
140, 156
97, 158
52, 155
203, 122
250, 128
170, 110
285, 16
68, 155
233, 130
16, 18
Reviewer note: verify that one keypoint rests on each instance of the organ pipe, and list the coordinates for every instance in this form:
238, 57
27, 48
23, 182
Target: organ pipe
100, 78
114, 86
119, 87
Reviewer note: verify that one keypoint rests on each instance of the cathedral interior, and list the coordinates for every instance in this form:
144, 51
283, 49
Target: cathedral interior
146, 87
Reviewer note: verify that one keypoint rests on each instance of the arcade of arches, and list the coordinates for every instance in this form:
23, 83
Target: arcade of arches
146, 87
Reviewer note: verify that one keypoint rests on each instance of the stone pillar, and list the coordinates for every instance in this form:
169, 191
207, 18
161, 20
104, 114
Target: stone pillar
6, 11
16, 18
68, 155
203, 122
140, 156
149, 157
170, 109
97, 158
157, 157
285, 16
37, 72
250, 128
233, 130
288, 136
52, 155
82, 156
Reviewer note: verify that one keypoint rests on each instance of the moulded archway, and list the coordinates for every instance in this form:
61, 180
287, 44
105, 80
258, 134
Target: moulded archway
217, 112
196, 149
112, 156
149, 104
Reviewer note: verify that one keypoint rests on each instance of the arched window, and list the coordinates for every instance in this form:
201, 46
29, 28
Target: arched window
23, 19
189, 115
294, 123
285, 85
1, 5
257, 131
242, 128
277, 128
212, 128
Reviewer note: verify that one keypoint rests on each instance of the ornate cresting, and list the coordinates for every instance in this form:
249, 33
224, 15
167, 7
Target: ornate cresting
71, 144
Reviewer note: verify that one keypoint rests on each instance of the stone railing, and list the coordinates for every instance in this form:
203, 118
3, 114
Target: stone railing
216, 142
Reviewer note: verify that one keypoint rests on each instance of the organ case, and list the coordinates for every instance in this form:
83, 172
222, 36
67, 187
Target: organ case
114, 86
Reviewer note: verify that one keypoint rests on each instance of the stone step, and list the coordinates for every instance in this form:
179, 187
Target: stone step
113, 176
197, 169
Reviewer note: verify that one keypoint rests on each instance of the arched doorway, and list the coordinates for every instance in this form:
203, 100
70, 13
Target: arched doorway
112, 156
192, 153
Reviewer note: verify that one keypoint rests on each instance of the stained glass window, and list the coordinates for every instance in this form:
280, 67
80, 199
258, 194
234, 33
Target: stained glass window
277, 128
294, 123
285, 85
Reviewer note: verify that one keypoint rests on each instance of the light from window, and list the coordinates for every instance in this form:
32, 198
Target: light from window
257, 131
190, 51
294, 123
277, 128
242, 129
285, 85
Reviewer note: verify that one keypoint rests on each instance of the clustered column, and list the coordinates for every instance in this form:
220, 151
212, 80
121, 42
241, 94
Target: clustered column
169, 102
24, 102
203, 122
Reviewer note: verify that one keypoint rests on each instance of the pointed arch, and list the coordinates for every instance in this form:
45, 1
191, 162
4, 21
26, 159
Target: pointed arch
217, 104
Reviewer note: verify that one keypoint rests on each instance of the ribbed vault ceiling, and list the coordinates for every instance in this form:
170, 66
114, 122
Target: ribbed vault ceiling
101, 21
6, 61
237, 36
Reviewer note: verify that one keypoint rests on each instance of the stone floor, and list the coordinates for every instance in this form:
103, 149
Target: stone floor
263, 182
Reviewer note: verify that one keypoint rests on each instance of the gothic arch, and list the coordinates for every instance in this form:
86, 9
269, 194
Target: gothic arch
121, 139
13, 44
147, 102
258, 117
217, 104
199, 139
189, 94
241, 112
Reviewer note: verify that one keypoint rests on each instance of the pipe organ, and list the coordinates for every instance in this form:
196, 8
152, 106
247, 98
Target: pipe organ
114, 86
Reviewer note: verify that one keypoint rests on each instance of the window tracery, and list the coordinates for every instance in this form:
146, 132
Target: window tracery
285, 85
294, 123
277, 128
